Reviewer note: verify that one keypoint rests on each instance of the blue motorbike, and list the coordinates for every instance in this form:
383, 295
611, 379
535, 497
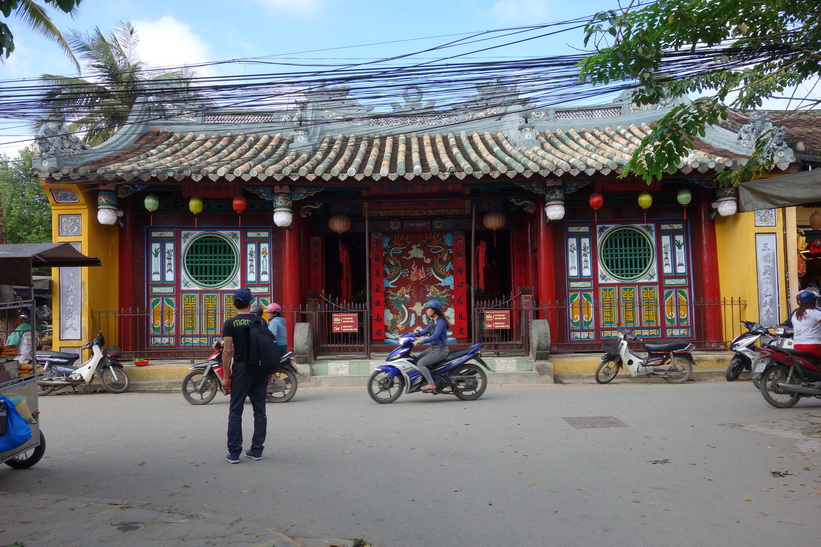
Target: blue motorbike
458, 374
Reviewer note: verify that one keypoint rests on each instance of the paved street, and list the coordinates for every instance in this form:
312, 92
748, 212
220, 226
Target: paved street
630, 463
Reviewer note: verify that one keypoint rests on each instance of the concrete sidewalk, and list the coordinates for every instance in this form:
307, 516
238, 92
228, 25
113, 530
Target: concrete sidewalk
343, 371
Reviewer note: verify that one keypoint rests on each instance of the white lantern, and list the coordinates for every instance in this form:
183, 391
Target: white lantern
283, 217
554, 210
107, 216
727, 206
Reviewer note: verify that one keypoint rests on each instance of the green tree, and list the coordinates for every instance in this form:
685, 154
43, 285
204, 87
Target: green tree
34, 15
26, 211
98, 106
738, 51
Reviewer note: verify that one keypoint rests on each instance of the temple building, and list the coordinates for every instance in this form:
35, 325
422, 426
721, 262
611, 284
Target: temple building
502, 211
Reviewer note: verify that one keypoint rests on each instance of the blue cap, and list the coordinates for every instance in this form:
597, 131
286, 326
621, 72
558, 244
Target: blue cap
435, 304
242, 298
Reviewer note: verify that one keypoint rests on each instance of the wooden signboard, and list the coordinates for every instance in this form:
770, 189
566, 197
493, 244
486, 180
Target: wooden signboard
497, 319
344, 322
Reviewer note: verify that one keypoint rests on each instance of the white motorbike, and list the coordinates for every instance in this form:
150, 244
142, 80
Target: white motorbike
103, 363
670, 360
746, 350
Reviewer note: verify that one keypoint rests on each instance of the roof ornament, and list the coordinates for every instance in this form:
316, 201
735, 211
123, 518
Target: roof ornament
335, 99
776, 147
56, 139
413, 102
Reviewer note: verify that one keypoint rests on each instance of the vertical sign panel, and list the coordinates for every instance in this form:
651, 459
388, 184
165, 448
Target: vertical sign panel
377, 286
766, 258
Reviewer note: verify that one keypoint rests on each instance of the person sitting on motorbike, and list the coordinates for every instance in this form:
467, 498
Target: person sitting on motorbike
806, 322
276, 324
437, 331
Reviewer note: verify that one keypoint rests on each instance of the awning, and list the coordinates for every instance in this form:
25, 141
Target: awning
777, 192
17, 261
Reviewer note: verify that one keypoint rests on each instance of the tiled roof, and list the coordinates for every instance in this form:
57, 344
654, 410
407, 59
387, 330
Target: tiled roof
162, 154
803, 127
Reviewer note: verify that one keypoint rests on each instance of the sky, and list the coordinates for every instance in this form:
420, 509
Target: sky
247, 35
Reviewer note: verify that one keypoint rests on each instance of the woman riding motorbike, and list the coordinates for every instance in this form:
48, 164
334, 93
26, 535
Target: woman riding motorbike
437, 331
806, 321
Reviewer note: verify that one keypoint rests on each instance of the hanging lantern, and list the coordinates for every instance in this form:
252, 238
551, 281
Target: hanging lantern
645, 201
727, 202
554, 210
283, 206
195, 206
339, 224
239, 204
107, 212
815, 221
684, 197
152, 203
494, 220
596, 201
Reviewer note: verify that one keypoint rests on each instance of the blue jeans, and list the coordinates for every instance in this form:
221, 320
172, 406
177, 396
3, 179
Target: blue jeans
431, 356
244, 385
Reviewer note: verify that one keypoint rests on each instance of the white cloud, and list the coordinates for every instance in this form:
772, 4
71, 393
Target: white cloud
167, 42
521, 10
294, 6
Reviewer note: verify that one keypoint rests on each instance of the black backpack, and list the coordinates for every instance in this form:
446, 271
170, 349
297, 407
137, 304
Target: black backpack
263, 351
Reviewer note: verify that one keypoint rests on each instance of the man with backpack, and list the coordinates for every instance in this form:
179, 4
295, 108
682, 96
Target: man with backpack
242, 380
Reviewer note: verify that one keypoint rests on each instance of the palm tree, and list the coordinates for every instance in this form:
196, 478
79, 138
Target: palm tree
35, 17
99, 105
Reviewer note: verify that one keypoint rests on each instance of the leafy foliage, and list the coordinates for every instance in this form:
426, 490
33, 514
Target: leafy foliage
35, 16
99, 106
26, 210
740, 51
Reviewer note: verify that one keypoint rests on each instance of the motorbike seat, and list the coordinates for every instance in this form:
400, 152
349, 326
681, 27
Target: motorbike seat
803, 354
65, 356
458, 353
665, 347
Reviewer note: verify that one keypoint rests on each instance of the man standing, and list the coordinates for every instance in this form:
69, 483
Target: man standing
242, 384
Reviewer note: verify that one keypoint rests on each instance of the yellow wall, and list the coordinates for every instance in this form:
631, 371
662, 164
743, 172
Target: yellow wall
99, 285
735, 242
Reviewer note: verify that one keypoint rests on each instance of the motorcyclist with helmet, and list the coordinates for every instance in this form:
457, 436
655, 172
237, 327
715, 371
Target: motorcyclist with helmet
806, 322
276, 324
437, 337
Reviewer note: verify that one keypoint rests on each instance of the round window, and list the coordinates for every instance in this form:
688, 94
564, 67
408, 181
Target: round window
626, 254
211, 261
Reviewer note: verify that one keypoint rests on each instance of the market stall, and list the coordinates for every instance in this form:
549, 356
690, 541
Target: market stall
22, 443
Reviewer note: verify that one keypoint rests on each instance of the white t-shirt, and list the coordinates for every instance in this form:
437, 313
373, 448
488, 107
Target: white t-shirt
807, 330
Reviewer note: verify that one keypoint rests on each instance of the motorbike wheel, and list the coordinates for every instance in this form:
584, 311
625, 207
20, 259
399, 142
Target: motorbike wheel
606, 371
282, 387
472, 393
115, 380
198, 390
385, 389
774, 394
683, 370
735, 368
26, 459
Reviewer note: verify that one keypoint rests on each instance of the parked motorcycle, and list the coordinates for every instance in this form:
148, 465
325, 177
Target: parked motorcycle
745, 348
200, 386
456, 374
670, 360
789, 375
783, 339
59, 371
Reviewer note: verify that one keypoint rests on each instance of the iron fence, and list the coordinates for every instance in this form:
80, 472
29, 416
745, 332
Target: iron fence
343, 328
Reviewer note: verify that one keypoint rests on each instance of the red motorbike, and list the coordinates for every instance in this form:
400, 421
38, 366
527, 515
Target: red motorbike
200, 386
789, 375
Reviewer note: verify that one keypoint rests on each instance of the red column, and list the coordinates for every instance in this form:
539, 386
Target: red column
706, 256
291, 277
545, 261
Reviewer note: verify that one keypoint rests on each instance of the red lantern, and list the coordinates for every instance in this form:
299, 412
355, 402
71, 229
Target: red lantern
239, 204
596, 201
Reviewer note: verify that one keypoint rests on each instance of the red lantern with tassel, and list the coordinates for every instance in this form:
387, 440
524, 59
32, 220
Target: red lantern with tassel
596, 201
239, 204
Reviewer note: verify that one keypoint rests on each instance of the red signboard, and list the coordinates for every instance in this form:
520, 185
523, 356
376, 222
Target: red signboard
344, 322
497, 319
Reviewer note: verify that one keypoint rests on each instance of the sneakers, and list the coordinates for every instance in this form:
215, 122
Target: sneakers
232, 458
256, 456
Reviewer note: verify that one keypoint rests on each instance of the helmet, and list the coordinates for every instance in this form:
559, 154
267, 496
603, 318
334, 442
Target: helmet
435, 304
256, 309
273, 307
807, 296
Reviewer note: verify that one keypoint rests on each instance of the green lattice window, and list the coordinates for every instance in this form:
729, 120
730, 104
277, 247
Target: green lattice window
211, 261
626, 254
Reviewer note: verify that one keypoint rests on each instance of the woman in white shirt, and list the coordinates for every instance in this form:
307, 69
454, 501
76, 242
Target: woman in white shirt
806, 322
